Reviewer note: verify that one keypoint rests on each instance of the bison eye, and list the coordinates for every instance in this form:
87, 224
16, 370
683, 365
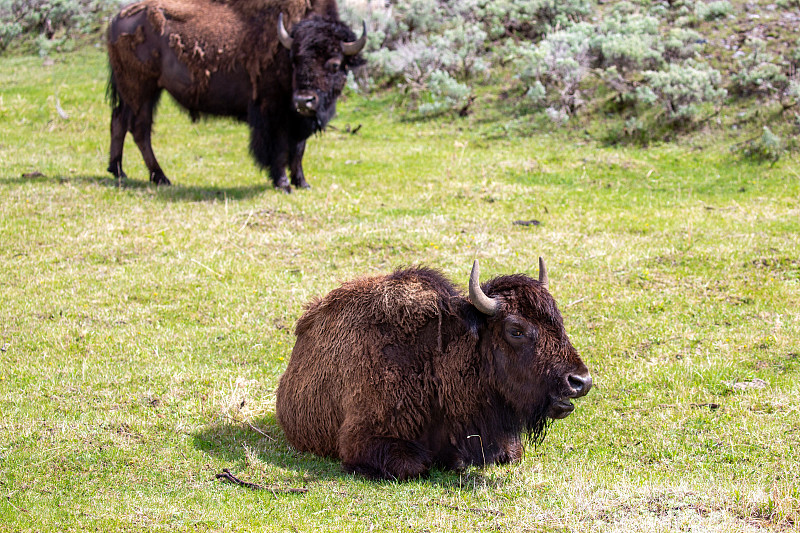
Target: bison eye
333, 65
515, 330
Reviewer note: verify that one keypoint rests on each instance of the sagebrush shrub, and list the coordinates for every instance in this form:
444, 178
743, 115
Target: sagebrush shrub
767, 147
444, 94
618, 48
430, 47
680, 88
556, 65
713, 10
530, 19
627, 40
44, 18
793, 91
757, 73
681, 43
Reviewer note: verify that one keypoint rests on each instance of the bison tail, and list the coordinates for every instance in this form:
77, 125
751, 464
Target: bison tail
112, 94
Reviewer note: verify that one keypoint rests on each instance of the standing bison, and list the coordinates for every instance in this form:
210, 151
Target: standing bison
393, 374
230, 58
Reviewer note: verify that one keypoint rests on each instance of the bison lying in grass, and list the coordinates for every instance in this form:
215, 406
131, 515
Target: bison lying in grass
393, 374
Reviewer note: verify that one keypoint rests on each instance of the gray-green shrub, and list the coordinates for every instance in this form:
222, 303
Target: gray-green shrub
444, 94
713, 10
530, 19
767, 147
681, 88
758, 74
628, 40
556, 65
44, 19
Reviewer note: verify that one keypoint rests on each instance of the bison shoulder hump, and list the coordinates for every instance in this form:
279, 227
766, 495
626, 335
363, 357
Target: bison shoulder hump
406, 299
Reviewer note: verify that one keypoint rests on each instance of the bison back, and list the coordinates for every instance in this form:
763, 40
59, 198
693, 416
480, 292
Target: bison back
363, 361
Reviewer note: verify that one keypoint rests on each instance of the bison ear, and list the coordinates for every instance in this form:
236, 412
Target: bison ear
484, 304
543, 273
283, 35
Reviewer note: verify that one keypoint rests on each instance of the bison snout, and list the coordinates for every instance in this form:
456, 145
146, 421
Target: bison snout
580, 384
306, 103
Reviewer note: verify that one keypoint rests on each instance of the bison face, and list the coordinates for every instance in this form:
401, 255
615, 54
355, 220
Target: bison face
322, 51
542, 370
536, 368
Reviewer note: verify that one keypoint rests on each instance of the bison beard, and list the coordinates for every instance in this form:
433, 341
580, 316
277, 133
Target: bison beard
225, 58
395, 374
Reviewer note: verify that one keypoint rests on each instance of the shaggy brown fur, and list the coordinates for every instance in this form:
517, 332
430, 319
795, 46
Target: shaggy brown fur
209, 35
393, 374
223, 57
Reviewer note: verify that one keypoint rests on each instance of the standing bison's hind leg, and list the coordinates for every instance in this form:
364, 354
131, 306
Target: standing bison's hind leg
123, 120
120, 123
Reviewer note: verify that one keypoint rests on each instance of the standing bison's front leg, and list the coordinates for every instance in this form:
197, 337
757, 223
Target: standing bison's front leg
296, 150
269, 144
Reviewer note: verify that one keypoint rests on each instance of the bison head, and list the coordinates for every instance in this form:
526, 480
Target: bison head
535, 367
322, 51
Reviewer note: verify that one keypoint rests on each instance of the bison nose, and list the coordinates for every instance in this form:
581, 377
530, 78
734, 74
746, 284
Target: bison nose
306, 102
580, 384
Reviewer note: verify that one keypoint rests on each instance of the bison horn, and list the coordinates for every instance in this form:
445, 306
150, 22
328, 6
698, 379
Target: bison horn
484, 304
283, 35
352, 48
542, 273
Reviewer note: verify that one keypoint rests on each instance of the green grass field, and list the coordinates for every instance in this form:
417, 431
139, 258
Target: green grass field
143, 330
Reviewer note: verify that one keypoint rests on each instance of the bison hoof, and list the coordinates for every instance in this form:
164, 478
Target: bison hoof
159, 179
301, 184
116, 171
282, 184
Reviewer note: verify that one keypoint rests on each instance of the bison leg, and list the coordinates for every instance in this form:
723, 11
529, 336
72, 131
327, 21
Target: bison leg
386, 458
120, 120
279, 179
142, 128
510, 451
269, 144
296, 165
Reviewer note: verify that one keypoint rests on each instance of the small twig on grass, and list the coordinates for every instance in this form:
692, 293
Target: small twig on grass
249, 215
60, 110
204, 266
19, 509
259, 431
576, 302
230, 478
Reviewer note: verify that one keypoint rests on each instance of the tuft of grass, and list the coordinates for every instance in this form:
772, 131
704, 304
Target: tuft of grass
143, 330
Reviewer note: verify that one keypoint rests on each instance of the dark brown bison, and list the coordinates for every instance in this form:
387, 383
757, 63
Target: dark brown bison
393, 374
230, 58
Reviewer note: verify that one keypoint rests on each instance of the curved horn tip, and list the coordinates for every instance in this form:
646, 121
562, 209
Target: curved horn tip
484, 304
352, 48
283, 35
543, 279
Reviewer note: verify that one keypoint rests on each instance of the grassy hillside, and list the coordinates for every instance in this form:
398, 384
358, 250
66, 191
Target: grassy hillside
143, 330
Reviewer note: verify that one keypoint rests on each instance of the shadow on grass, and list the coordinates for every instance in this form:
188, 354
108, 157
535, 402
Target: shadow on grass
231, 442
173, 193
